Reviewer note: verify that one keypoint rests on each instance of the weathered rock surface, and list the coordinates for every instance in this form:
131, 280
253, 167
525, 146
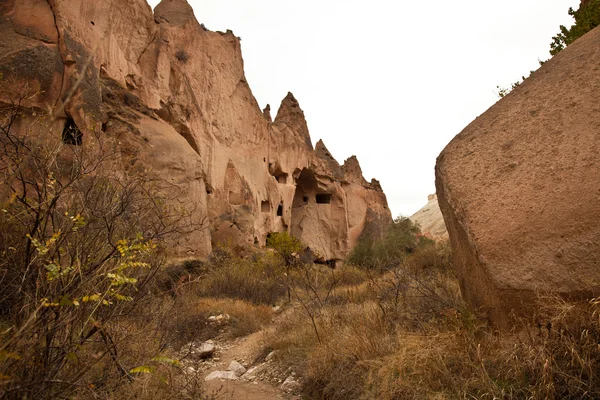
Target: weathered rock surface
431, 220
236, 368
174, 97
519, 189
229, 375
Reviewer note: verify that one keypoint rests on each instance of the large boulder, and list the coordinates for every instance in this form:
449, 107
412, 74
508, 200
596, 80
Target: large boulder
519, 189
174, 98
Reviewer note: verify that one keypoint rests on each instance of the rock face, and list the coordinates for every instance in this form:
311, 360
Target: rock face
519, 189
174, 97
431, 220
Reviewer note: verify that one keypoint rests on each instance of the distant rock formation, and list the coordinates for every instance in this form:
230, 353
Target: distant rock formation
519, 189
431, 220
173, 95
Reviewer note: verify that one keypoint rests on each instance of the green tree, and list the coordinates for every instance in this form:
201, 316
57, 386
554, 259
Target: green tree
401, 238
587, 17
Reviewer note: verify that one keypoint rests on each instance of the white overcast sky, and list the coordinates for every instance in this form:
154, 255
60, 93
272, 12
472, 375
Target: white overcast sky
391, 82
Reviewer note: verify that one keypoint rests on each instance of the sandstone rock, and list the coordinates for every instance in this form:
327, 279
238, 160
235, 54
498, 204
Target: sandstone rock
230, 375
290, 384
271, 356
172, 96
206, 350
431, 220
236, 368
519, 189
219, 318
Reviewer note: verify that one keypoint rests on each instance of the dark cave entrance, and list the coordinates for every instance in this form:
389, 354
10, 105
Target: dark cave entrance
71, 134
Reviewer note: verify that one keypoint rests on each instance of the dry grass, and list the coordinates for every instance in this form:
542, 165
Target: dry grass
406, 334
256, 279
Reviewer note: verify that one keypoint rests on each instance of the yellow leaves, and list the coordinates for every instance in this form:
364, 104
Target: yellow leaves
167, 360
120, 297
90, 298
56, 271
142, 369
119, 279
47, 303
122, 247
137, 247
64, 301
43, 248
78, 222
148, 369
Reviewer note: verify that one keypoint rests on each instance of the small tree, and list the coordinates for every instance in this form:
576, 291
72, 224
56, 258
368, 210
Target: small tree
401, 238
587, 17
78, 242
288, 248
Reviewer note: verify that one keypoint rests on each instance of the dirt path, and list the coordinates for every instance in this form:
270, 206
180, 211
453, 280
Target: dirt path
254, 384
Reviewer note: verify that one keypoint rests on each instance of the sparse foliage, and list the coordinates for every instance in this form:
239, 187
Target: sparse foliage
587, 17
78, 246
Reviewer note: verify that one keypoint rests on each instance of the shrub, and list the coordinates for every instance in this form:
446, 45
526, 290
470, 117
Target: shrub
79, 242
182, 56
258, 280
400, 239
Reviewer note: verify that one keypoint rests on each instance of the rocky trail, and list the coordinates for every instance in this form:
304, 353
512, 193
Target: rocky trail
236, 369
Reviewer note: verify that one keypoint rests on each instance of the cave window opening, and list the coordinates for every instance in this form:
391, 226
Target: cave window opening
282, 178
265, 206
305, 199
71, 134
323, 198
280, 210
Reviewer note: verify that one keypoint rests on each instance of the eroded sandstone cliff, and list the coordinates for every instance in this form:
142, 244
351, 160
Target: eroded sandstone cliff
174, 97
519, 189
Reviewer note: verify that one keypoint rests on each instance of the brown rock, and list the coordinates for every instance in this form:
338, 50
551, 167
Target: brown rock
173, 97
519, 189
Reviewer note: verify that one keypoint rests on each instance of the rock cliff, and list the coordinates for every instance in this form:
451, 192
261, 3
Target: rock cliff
519, 189
173, 95
431, 220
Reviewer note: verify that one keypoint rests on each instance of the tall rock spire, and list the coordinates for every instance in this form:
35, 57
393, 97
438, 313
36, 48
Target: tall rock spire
292, 115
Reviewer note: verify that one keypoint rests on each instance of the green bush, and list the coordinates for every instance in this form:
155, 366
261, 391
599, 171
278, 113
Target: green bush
400, 239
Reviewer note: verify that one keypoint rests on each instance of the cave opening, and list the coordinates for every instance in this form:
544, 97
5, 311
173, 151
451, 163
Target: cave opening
280, 210
71, 134
278, 174
306, 187
323, 198
265, 206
